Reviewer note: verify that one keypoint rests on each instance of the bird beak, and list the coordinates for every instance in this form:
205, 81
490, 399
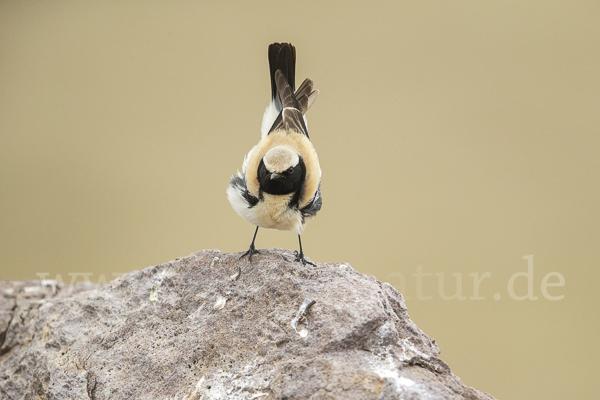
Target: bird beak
275, 176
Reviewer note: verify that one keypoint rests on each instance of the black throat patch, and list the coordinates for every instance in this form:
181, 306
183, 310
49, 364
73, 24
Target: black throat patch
287, 182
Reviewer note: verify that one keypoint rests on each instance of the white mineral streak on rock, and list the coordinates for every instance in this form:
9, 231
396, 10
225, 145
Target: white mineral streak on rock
410, 351
387, 369
153, 294
220, 303
301, 316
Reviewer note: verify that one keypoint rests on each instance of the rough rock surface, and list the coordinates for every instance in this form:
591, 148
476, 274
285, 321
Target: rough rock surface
197, 328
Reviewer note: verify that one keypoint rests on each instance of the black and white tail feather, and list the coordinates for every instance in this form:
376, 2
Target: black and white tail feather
284, 157
282, 57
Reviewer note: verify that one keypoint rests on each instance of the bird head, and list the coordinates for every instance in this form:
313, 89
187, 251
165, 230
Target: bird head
281, 171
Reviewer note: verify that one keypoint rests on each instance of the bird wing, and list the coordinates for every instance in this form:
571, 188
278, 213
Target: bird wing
238, 182
291, 117
306, 96
313, 206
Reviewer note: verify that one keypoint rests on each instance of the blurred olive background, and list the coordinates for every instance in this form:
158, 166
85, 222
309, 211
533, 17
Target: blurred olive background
455, 137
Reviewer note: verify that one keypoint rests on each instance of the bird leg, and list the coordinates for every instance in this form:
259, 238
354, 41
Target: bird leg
252, 250
300, 256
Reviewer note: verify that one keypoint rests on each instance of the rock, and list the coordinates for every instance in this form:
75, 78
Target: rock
211, 326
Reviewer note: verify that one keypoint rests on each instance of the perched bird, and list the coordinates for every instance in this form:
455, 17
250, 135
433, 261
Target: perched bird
279, 186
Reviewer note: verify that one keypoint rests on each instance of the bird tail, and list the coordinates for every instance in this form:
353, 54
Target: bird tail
282, 57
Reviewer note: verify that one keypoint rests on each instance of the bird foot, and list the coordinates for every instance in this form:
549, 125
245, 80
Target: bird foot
300, 257
251, 251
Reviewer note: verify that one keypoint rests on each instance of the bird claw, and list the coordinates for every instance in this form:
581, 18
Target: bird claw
300, 257
251, 251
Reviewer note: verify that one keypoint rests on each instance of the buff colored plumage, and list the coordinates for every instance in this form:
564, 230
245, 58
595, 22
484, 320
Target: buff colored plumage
279, 186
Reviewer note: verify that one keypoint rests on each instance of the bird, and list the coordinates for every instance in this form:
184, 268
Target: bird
280, 183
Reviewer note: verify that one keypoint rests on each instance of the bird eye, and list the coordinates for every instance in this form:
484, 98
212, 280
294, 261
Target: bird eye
290, 169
